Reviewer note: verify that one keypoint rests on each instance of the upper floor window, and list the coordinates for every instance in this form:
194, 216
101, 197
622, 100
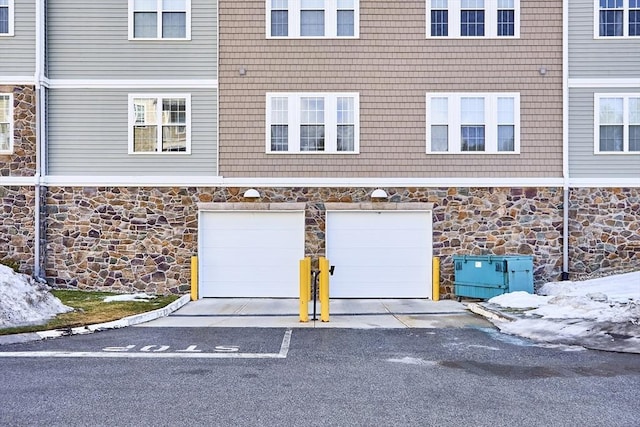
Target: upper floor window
473, 18
481, 123
617, 18
159, 19
313, 18
617, 123
159, 124
313, 123
6, 18
6, 123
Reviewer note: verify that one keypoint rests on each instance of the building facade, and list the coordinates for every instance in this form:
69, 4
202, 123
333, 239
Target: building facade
255, 133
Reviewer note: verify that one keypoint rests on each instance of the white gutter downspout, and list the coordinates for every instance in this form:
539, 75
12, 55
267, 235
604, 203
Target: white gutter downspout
565, 139
40, 138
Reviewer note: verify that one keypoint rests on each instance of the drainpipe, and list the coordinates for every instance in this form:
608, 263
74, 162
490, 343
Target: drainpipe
40, 146
565, 140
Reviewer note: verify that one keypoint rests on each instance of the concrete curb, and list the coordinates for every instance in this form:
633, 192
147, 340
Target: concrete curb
122, 323
489, 313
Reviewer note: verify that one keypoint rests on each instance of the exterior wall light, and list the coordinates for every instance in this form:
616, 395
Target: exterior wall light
543, 71
379, 193
251, 193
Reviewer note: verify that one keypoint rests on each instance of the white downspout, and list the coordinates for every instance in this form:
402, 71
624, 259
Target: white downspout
565, 139
40, 128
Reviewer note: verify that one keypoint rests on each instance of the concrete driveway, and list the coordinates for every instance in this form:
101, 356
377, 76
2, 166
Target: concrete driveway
344, 313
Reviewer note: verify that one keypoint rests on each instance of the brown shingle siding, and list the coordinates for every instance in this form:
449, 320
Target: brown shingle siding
392, 65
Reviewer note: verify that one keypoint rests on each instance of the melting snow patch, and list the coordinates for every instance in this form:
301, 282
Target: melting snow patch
130, 297
23, 301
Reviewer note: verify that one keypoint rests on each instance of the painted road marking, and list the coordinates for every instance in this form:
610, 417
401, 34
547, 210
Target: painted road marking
147, 352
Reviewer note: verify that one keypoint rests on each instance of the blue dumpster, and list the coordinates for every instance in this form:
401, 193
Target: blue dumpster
487, 276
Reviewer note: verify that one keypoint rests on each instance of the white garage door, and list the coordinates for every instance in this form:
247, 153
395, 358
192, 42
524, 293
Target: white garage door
380, 254
250, 254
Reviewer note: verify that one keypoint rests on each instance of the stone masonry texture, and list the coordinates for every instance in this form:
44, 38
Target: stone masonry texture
22, 162
17, 226
127, 239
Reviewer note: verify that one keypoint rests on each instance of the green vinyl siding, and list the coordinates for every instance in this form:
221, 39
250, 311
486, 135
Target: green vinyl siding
88, 135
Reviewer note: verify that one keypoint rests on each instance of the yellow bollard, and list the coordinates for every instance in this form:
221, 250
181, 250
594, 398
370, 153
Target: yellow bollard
194, 278
436, 278
324, 289
305, 288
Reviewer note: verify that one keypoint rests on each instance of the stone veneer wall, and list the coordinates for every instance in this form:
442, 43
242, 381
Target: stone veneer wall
23, 160
17, 226
127, 239
604, 231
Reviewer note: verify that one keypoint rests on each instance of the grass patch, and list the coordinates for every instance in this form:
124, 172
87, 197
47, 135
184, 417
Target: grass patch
90, 308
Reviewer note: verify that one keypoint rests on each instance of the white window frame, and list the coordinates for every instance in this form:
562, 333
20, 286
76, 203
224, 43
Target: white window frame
625, 123
330, 121
625, 22
11, 20
159, 97
330, 21
11, 123
159, 11
490, 122
490, 24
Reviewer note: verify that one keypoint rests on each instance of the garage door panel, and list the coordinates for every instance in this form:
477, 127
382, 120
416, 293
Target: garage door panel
250, 254
384, 254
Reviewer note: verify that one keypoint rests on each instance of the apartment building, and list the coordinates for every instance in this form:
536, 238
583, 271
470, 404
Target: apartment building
254, 133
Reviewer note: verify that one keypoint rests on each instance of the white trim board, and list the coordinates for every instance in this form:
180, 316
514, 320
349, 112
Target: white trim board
597, 83
132, 83
604, 182
17, 80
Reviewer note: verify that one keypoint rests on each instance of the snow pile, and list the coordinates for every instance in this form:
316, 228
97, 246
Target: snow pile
576, 312
130, 297
24, 302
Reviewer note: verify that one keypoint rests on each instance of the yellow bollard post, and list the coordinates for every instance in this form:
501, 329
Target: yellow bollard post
324, 289
194, 278
436, 278
305, 288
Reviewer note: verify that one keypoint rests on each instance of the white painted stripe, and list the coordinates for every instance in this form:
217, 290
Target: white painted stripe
286, 342
603, 83
140, 355
131, 83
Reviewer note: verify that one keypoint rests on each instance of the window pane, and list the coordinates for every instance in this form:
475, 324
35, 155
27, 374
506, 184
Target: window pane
346, 4
439, 138
472, 138
4, 109
634, 23
506, 113
472, 23
279, 23
346, 139
506, 22
312, 110
439, 4
174, 138
279, 4
439, 110
312, 138
4, 2
611, 23
634, 138
174, 25
145, 25
312, 4
506, 138
4, 20
145, 139
174, 5
174, 111
506, 4
5, 134
611, 138
145, 5
611, 111
472, 4
610, 3
279, 110
312, 23
279, 137
145, 110
472, 110
634, 111
345, 23
346, 110
439, 23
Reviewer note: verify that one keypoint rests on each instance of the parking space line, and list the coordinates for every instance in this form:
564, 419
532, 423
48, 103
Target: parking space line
282, 354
